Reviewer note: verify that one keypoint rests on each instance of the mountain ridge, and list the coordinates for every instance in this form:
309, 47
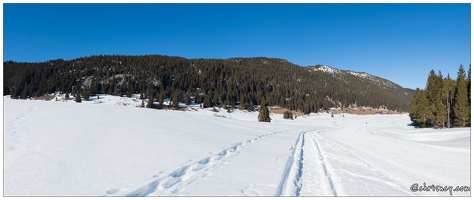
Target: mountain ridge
375, 79
221, 82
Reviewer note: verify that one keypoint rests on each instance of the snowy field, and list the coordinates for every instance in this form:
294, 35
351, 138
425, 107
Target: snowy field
109, 147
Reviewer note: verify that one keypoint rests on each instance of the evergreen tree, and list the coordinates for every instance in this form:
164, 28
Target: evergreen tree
288, 115
129, 92
433, 93
469, 85
242, 103
420, 112
86, 95
263, 113
207, 102
187, 99
424, 112
160, 98
440, 112
175, 100
462, 110
150, 101
78, 98
447, 99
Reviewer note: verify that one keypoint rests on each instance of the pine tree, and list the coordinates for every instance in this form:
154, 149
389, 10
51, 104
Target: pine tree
263, 113
175, 100
447, 98
469, 85
150, 101
440, 113
129, 87
187, 99
413, 108
86, 95
129, 92
78, 98
424, 112
159, 99
462, 110
242, 105
207, 102
433, 91
288, 115
420, 112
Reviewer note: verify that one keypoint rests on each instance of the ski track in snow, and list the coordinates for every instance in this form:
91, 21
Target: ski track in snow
377, 175
287, 185
170, 183
324, 178
299, 180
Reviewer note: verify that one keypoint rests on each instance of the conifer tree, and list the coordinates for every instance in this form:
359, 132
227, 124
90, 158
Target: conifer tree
129, 92
160, 97
462, 110
469, 85
207, 102
187, 99
440, 113
242, 104
78, 98
263, 113
150, 101
447, 99
433, 91
175, 100
288, 115
424, 112
420, 112
86, 95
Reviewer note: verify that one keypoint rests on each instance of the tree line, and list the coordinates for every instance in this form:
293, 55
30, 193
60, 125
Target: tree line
210, 82
444, 103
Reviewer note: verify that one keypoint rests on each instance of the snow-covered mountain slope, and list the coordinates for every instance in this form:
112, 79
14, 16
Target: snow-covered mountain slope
112, 148
343, 73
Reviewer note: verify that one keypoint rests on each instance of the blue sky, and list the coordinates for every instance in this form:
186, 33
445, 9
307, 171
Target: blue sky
399, 42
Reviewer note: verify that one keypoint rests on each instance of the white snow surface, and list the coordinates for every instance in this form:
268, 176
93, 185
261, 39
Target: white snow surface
326, 69
113, 148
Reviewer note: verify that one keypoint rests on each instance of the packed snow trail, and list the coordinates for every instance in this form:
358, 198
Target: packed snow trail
316, 179
306, 172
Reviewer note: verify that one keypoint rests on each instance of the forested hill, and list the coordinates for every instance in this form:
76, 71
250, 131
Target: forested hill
233, 81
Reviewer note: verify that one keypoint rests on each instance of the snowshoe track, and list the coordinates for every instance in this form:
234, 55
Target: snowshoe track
170, 183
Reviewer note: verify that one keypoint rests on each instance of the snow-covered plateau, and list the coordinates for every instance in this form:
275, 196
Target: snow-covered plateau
110, 147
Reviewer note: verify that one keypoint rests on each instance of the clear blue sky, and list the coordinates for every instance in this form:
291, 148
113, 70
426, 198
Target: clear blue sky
399, 42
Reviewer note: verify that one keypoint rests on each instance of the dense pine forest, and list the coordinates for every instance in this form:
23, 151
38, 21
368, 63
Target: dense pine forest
210, 82
444, 102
